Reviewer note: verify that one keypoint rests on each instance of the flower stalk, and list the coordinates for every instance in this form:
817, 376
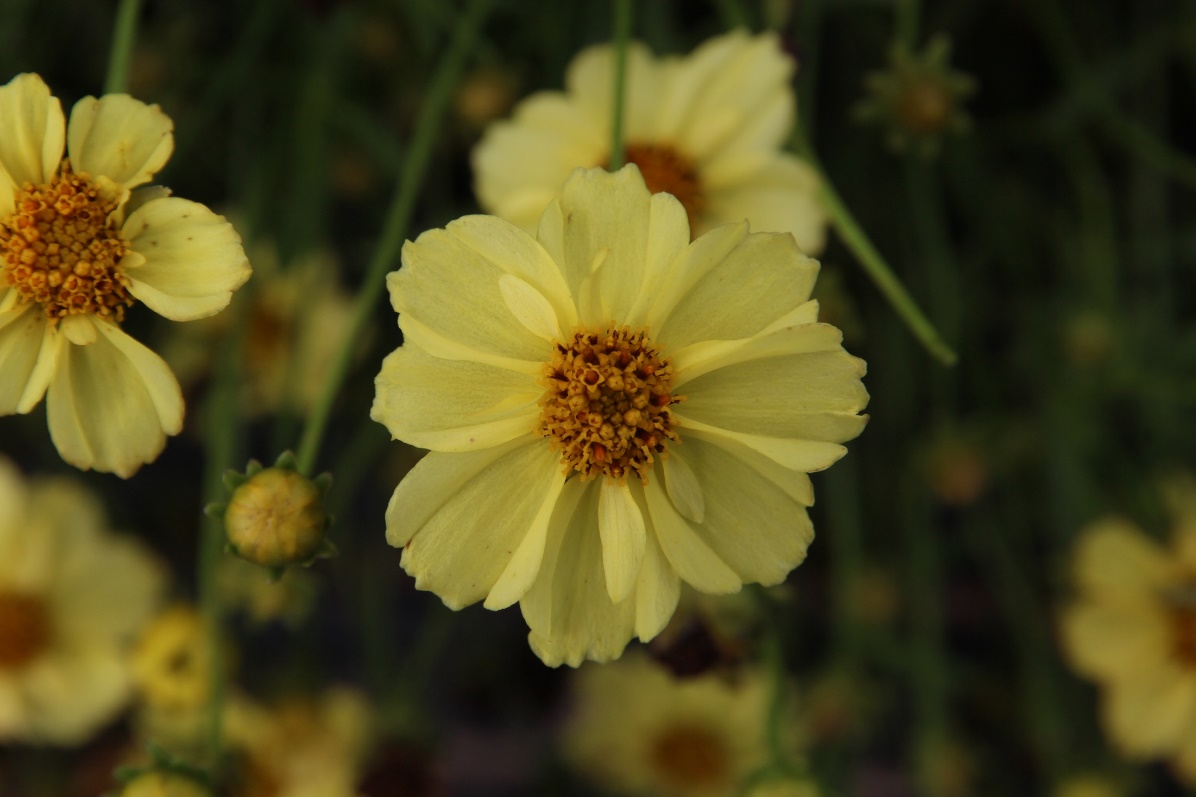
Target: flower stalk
124, 36
622, 38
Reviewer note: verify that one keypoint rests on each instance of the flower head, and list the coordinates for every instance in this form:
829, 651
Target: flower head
707, 128
639, 731
1132, 628
611, 410
71, 597
77, 248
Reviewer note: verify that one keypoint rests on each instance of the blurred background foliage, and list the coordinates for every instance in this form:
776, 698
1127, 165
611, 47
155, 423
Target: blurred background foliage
1052, 243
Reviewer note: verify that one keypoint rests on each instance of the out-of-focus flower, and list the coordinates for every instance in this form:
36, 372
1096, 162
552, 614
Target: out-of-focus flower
72, 596
1089, 785
160, 783
298, 318
1089, 338
1132, 628
707, 128
262, 597
638, 731
484, 95
554, 417
303, 747
918, 98
958, 469
77, 248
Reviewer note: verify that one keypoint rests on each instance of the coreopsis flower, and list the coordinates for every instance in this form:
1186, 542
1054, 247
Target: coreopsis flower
636, 730
72, 596
1132, 628
78, 247
172, 679
611, 410
707, 128
309, 747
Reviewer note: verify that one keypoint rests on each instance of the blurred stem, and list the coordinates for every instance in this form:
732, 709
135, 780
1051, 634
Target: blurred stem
394, 231
220, 448
622, 40
842, 503
780, 762
732, 14
907, 23
124, 36
855, 239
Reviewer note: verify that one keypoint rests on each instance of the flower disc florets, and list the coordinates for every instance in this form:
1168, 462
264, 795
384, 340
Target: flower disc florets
60, 251
606, 403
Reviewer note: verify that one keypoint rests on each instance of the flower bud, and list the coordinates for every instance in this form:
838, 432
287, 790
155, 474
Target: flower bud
276, 518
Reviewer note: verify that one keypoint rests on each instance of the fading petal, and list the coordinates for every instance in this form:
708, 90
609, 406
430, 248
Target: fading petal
1147, 715
462, 517
688, 554
568, 609
751, 524
120, 138
191, 259
452, 405
779, 194
624, 535
450, 283
726, 295
23, 333
1117, 641
112, 404
1114, 558
31, 138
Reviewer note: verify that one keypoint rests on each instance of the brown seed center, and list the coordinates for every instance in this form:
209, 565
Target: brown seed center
606, 403
25, 629
59, 249
689, 757
666, 170
924, 106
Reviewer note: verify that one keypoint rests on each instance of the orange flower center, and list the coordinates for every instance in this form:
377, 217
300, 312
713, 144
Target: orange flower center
59, 250
666, 170
924, 106
690, 758
24, 629
606, 403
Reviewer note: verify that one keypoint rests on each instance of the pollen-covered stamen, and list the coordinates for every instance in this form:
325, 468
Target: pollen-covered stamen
59, 249
665, 170
606, 403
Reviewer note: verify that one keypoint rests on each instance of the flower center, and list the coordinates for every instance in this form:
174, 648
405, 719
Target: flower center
666, 170
58, 249
1183, 624
24, 629
606, 403
689, 757
924, 106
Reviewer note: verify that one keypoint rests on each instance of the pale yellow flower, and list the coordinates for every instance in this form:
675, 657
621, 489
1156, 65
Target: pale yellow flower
71, 597
170, 662
76, 249
638, 731
1132, 628
708, 128
611, 410
303, 747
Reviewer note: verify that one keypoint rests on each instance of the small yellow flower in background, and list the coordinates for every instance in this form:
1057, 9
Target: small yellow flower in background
707, 128
1132, 628
72, 596
611, 410
76, 249
170, 662
638, 731
164, 784
310, 747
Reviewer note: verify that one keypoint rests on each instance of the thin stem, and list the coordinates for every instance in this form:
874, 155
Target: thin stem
855, 239
124, 35
907, 23
622, 38
394, 231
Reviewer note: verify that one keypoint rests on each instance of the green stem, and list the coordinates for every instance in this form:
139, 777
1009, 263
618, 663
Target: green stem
855, 239
622, 39
124, 35
394, 231
907, 23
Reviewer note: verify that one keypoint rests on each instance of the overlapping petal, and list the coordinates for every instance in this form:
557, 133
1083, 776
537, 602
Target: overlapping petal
23, 331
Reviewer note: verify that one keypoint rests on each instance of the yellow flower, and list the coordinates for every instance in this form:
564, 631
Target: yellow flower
706, 128
76, 249
611, 410
1132, 628
170, 662
71, 597
301, 748
638, 731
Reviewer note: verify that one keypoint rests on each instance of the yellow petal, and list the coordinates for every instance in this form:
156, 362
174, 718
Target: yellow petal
524, 566
691, 558
589, 82
191, 259
120, 138
621, 526
779, 194
682, 487
529, 307
1115, 559
793, 333
452, 405
112, 404
22, 333
657, 591
808, 456
462, 517
1147, 715
31, 138
1115, 640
